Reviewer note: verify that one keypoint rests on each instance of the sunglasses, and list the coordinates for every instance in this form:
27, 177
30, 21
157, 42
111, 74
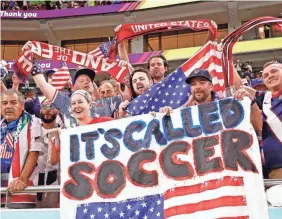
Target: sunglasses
47, 106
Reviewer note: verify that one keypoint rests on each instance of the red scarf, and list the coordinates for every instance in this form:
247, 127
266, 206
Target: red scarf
232, 38
129, 31
24, 64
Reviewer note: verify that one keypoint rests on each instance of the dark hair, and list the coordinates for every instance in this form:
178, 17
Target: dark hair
158, 56
139, 69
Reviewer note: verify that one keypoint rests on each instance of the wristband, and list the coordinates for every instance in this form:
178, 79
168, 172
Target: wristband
36, 68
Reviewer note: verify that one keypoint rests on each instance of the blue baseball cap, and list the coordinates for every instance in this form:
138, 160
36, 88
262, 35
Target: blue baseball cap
256, 82
199, 73
84, 71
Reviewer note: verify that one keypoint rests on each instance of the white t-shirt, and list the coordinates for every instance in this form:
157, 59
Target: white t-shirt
44, 157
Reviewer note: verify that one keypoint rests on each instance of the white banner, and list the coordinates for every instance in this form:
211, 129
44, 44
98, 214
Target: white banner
200, 162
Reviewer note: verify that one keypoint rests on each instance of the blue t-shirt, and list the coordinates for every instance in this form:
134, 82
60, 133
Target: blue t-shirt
103, 107
271, 141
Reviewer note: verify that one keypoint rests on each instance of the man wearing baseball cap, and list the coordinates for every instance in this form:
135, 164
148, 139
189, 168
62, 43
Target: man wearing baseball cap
82, 80
200, 82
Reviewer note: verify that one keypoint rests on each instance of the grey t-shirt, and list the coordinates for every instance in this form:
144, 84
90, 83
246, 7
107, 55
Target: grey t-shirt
103, 107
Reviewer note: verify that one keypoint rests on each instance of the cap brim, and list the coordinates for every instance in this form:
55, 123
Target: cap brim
84, 71
188, 80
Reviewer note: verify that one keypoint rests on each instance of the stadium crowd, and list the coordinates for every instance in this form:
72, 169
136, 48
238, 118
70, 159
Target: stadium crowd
54, 5
84, 102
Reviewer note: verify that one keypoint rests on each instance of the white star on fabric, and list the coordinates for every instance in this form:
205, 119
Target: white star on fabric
85, 210
114, 209
144, 204
152, 209
92, 216
145, 217
180, 79
147, 95
137, 212
171, 102
163, 85
166, 93
180, 93
158, 214
169, 86
172, 78
128, 207
184, 85
178, 102
152, 107
106, 215
163, 101
156, 99
144, 101
136, 101
177, 86
174, 94
113, 106
159, 202
99, 209
159, 92
121, 214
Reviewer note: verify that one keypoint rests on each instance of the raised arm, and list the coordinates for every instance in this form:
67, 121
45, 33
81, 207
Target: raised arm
47, 89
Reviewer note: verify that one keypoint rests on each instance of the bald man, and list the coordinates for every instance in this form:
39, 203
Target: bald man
106, 90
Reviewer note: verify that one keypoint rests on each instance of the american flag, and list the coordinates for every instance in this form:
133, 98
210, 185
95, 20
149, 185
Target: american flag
6, 151
102, 50
173, 91
217, 198
61, 77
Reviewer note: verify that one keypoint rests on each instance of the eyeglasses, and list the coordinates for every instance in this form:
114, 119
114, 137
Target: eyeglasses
47, 106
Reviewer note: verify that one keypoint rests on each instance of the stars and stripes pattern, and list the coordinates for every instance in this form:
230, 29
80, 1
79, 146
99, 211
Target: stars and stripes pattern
173, 91
102, 50
217, 198
7, 148
61, 77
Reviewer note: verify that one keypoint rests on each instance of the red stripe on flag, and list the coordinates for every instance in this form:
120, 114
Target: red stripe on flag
16, 165
225, 201
201, 187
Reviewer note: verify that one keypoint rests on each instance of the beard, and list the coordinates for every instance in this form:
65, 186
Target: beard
53, 117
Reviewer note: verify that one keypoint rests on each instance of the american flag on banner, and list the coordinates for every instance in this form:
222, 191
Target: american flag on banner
61, 77
102, 50
173, 91
217, 198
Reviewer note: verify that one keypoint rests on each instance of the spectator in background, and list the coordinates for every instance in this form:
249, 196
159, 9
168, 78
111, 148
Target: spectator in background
157, 66
258, 84
106, 90
19, 145
238, 67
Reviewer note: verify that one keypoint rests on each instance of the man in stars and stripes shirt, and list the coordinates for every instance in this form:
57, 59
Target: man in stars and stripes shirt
270, 102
